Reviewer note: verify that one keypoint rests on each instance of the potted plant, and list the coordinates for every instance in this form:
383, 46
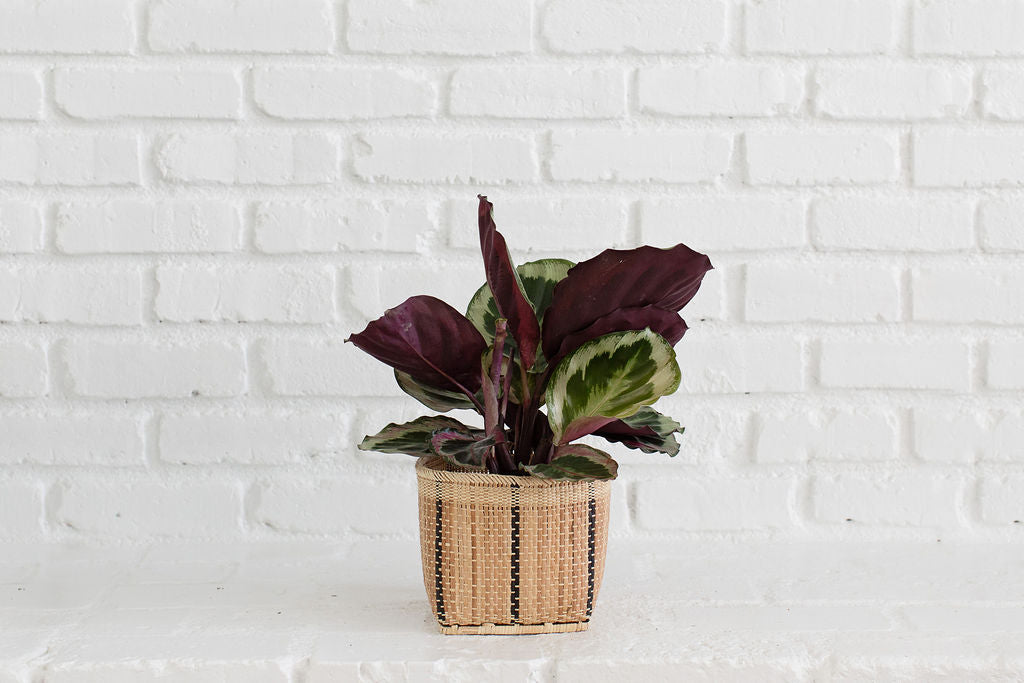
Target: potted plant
513, 514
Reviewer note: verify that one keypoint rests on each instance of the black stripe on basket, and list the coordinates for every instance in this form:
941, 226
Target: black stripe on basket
438, 583
591, 522
514, 592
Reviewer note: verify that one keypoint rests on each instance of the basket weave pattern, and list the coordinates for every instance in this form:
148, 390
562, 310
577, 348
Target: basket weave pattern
504, 554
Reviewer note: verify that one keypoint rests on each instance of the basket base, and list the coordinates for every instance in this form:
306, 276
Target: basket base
512, 629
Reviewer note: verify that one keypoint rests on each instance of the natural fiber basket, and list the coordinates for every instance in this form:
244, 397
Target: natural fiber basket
507, 555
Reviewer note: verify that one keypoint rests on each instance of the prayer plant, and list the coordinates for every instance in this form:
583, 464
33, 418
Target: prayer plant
548, 352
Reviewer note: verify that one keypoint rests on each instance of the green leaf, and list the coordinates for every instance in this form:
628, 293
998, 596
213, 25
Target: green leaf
576, 461
538, 279
413, 438
610, 377
462, 449
432, 397
648, 430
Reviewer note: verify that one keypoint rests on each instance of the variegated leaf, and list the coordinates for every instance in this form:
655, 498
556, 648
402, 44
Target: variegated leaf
462, 449
413, 438
538, 279
433, 397
609, 378
647, 430
576, 461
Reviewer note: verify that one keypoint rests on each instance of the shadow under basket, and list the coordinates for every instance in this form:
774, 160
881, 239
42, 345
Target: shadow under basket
510, 555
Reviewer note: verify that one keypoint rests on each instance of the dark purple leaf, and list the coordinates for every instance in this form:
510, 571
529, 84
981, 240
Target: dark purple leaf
429, 340
666, 323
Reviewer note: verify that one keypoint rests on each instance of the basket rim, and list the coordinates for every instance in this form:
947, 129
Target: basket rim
427, 468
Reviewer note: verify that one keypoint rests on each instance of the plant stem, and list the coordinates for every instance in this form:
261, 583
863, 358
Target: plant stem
493, 419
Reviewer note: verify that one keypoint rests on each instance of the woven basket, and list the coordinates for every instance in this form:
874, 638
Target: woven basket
508, 555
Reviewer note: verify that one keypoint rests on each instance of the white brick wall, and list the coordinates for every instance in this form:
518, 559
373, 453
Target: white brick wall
199, 199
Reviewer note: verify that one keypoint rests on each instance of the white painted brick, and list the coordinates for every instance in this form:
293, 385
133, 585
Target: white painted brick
71, 439
1001, 499
892, 499
954, 158
812, 435
648, 26
249, 159
23, 369
302, 367
710, 302
645, 156
539, 224
969, 27
1002, 93
373, 287
966, 436
892, 91
269, 26
21, 508
69, 159
124, 508
1006, 364
67, 26
538, 92
799, 158
1001, 225
826, 292
721, 89
72, 293
713, 223
465, 158
158, 93
153, 369
340, 94
697, 503
453, 27
255, 293
258, 437
21, 227
160, 226
964, 293
812, 27
721, 364
21, 94
204, 668
343, 225
332, 506
894, 364
892, 223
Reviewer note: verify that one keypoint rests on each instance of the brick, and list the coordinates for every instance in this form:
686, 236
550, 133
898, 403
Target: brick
827, 292
985, 28
313, 367
962, 436
21, 227
821, 158
710, 302
1006, 364
894, 364
538, 92
722, 364
257, 437
373, 287
696, 503
826, 435
1002, 93
23, 370
266, 26
71, 439
466, 158
21, 508
149, 93
812, 27
72, 293
152, 369
655, 26
453, 27
536, 224
1001, 225
249, 159
900, 92
634, 157
153, 226
69, 159
343, 225
712, 223
21, 95
341, 94
892, 223
1001, 499
332, 506
753, 90
962, 293
126, 508
888, 499
67, 26
952, 158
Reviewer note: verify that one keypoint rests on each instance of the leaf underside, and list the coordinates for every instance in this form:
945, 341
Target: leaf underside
647, 430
